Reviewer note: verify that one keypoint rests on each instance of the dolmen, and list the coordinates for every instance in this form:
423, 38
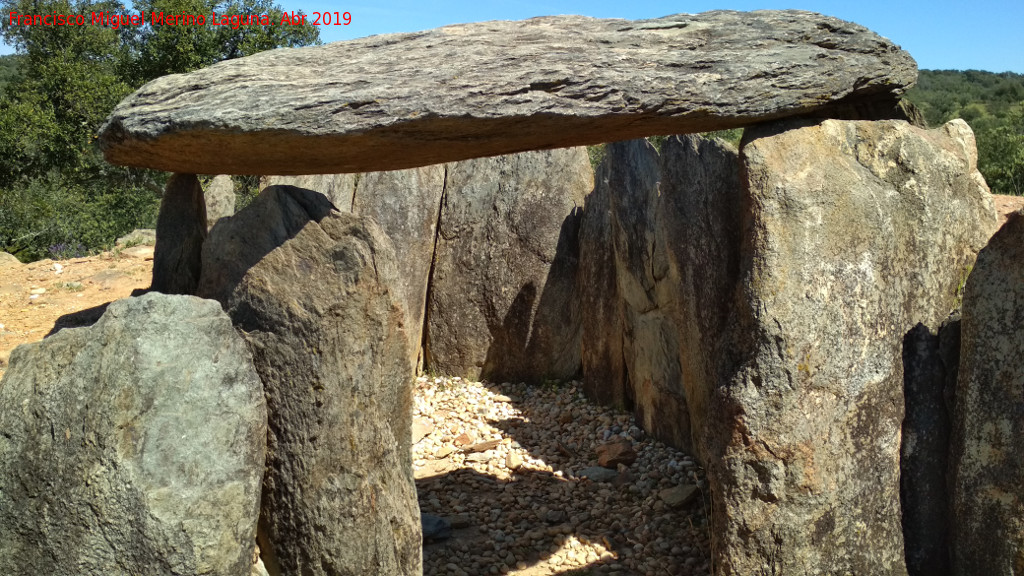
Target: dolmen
756, 306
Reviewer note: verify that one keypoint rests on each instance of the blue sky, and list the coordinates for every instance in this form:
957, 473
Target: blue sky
940, 34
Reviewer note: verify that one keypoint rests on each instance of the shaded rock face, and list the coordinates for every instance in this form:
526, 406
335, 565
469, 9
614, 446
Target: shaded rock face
987, 473
406, 204
405, 100
220, 199
339, 188
132, 447
180, 233
699, 227
853, 233
310, 288
930, 363
502, 303
648, 220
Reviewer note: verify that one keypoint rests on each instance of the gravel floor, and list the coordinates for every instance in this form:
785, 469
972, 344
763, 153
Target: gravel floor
503, 464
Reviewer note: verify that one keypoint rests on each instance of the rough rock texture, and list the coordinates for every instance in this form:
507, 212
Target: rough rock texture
180, 233
406, 204
699, 227
503, 303
132, 447
339, 188
8, 260
220, 199
649, 267
854, 233
602, 357
404, 100
987, 472
930, 364
311, 290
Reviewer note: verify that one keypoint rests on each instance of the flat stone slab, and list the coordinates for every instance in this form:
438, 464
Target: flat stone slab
403, 100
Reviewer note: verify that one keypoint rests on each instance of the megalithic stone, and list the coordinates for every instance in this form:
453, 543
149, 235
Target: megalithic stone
404, 100
986, 468
180, 233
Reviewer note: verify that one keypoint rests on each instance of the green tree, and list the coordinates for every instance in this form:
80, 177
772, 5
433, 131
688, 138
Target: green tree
1001, 158
57, 194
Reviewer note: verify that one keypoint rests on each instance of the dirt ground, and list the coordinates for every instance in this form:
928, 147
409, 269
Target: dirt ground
34, 297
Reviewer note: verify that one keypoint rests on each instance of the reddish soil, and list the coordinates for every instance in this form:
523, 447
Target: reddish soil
1007, 204
81, 284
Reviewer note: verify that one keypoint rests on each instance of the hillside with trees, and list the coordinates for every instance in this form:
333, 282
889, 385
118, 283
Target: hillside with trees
993, 104
58, 197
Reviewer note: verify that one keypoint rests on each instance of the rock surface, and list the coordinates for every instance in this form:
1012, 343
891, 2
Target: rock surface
220, 199
503, 301
132, 447
854, 233
7, 260
404, 100
930, 363
651, 264
339, 188
987, 473
311, 290
180, 233
406, 204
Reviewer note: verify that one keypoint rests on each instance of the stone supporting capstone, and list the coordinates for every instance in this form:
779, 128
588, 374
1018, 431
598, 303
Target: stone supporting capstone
180, 233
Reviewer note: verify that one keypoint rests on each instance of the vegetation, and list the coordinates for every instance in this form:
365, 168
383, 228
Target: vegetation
58, 197
993, 105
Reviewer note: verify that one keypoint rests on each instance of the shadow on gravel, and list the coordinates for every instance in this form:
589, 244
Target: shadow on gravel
531, 521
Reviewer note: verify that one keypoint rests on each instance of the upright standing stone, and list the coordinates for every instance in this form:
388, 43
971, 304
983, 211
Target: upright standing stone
988, 430
340, 189
406, 204
852, 233
633, 222
930, 364
133, 447
180, 233
503, 301
220, 199
312, 291
699, 228
602, 333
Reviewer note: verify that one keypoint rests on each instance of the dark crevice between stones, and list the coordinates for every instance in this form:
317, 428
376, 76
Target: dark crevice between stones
425, 359
930, 365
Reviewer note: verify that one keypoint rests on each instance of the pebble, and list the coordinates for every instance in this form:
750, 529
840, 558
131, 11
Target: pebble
500, 465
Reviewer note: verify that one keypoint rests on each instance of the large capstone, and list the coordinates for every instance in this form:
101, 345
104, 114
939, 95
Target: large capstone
312, 290
133, 447
405, 100
987, 472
